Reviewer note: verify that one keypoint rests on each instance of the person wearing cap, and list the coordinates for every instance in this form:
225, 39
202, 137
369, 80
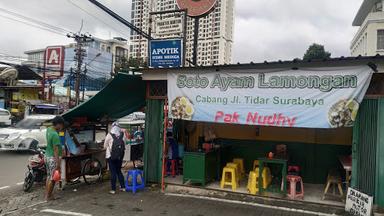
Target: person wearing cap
53, 154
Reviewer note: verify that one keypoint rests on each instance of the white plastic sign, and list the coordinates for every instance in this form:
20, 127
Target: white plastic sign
358, 203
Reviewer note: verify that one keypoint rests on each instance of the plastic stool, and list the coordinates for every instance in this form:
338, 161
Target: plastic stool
133, 175
266, 176
237, 170
232, 181
253, 183
292, 192
240, 162
294, 170
334, 179
173, 169
255, 164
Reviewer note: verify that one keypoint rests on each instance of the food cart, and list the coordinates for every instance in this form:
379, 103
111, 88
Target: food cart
84, 156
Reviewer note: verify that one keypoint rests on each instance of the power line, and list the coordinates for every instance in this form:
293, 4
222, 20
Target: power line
32, 25
92, 15
36, 61
81, 40
32, 20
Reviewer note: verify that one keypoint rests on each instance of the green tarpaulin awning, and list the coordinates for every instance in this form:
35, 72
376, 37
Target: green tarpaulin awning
123, 95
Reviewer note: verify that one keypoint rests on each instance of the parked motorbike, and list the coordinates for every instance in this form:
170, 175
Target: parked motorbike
36, 170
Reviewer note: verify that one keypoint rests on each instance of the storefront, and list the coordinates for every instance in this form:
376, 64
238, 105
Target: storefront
323, 117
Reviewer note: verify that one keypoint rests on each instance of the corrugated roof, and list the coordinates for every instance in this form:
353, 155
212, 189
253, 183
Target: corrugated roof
295, 63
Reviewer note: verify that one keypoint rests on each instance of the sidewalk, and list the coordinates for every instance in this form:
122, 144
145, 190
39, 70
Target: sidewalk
87, 200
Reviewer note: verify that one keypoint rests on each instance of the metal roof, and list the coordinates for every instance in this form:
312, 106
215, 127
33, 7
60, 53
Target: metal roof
295, 63
24, 72
363, 12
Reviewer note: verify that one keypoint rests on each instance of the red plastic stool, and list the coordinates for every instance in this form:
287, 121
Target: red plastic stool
293, 170
292, 181
173, 169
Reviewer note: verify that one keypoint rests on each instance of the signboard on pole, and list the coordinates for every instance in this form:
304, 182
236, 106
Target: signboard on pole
168, 27
358, 203
307, 98
166, 53
54, 61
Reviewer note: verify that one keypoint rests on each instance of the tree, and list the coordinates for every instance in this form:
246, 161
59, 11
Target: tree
316, 51
125, 65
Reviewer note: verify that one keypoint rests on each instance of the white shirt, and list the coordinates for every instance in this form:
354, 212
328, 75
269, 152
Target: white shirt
108, 144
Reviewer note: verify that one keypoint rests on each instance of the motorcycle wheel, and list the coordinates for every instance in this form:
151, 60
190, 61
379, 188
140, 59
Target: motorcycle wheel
28, 182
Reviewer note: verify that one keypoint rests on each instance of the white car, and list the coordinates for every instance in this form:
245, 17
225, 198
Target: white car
5, 117
27, 134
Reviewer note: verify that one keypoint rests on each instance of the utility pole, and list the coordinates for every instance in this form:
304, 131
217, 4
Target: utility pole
81, 40
83, 80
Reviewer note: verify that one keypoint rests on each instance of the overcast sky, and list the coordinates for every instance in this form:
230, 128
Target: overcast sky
264, 29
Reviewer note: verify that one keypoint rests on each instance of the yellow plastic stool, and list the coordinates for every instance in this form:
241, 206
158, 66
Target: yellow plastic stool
266, 176
253, 182
240, 162
255, 164
229, 178
237, 170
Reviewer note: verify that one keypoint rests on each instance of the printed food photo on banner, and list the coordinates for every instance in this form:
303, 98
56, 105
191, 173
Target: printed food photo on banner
307, 98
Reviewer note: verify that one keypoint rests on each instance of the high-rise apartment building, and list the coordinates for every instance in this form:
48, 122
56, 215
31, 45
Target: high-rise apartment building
215, 30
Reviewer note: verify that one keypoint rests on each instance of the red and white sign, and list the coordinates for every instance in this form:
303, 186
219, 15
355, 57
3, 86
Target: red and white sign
54, 61
196, 7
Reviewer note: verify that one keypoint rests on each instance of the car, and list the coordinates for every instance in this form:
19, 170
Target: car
5, 117
27, 134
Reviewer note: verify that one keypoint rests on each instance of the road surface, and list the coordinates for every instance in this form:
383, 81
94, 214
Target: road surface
13, 166
94, 200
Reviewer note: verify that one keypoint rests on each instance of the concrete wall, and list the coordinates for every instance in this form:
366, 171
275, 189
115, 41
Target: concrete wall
365, 41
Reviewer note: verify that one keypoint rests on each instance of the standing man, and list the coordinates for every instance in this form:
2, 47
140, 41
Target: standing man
53, 154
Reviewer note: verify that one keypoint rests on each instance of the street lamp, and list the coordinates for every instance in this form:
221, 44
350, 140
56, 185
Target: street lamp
97, 55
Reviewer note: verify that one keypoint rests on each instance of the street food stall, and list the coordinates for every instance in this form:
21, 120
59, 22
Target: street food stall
83, 155
276, 125
89, 126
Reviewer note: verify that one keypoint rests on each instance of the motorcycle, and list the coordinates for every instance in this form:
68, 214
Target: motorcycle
37, 171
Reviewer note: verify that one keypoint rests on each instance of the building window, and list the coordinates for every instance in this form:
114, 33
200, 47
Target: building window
380, 39
157, 89
120, 53
378, 7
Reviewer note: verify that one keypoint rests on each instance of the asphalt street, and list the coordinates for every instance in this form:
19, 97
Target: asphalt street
94, 200
13, 166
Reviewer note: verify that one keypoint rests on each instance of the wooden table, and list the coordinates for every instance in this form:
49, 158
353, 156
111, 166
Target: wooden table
346, 162
283, 162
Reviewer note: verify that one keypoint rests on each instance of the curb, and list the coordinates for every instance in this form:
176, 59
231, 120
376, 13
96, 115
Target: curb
245, 199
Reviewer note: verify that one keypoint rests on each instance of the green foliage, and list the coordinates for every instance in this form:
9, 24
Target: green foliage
125, 65
316, 51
